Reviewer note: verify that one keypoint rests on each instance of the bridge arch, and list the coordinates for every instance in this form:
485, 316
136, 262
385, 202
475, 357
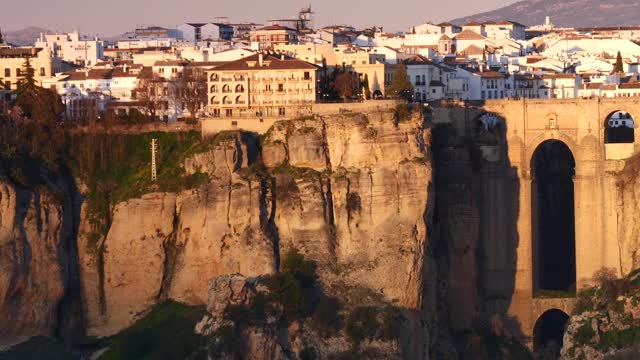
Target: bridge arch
548, 333
619, 128
553, 217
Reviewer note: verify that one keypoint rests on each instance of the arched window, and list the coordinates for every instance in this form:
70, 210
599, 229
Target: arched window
226, 101
214, 88
226, 89
214, 77
214, 100
239, 88
240, 99
619, 128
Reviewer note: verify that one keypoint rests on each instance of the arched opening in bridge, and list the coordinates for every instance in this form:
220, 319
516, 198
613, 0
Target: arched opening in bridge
548, 333
619, 128
553, 220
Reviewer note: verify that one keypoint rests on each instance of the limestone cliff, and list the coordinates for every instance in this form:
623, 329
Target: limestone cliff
352, 193
38, 269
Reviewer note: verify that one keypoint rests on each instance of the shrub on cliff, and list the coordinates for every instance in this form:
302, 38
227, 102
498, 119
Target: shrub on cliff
326, 318
294, 286
166, 332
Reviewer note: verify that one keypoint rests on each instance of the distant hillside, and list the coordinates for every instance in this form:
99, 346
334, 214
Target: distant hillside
24, 37
567, 13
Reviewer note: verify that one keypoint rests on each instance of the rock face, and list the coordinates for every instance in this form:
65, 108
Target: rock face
359, 207
352, 193
33, 275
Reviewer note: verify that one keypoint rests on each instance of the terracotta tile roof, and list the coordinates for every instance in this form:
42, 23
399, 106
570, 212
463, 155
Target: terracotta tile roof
489, 23
120, 73
491, 74
592, 86
270, 62
559, 76
170, 63
444, 37
93, 74
469, 35
630, 86
472, 23
416, 60
610, 87
472, 50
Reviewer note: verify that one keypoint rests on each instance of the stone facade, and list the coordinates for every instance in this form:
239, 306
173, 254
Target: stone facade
507, 277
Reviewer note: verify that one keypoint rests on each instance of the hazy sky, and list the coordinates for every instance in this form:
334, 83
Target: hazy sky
111, 17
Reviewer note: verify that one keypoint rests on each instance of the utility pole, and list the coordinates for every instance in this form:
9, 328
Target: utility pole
154, 168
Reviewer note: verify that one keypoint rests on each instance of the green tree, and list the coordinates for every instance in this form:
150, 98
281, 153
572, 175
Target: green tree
618, 67
401, 86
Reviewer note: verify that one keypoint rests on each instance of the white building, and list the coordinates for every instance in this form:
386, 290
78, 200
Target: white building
196, 32
73, 48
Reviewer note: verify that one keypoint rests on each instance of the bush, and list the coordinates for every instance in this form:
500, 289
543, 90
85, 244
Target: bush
166, 332
287, 291
584, 301
303, 270
362, 324
391, 323
620, 338
326, 317
584, 334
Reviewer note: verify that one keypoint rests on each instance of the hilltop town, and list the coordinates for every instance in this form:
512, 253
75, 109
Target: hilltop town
226, 69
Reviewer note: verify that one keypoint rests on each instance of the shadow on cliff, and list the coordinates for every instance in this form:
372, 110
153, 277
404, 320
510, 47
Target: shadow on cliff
475, 236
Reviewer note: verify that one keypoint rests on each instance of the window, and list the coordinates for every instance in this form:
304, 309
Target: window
7, 72
42, 71
18, 73
482, 94
280, 87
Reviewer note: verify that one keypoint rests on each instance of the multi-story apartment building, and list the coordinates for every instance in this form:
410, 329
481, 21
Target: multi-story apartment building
73, 48
262, 85
12, 61
270, 36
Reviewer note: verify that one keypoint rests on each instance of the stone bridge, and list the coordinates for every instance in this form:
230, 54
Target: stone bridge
510, 265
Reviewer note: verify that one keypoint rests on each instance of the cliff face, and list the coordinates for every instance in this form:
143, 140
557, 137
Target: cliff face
34, 260
351, 193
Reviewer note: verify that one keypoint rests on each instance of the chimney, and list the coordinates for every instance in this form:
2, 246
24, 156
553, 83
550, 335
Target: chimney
282, 56
260, 59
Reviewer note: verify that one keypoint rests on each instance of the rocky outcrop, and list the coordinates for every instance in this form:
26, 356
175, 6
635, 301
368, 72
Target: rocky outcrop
353, 194
606, 321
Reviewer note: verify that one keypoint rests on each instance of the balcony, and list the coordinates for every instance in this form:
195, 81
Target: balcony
307, 79
226, 79
215, 103
293, 79
241, 102
227, 91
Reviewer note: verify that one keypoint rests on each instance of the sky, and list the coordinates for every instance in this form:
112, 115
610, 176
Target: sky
112, 17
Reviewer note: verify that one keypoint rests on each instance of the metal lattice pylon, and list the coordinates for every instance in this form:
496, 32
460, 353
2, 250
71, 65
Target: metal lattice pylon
154, 167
